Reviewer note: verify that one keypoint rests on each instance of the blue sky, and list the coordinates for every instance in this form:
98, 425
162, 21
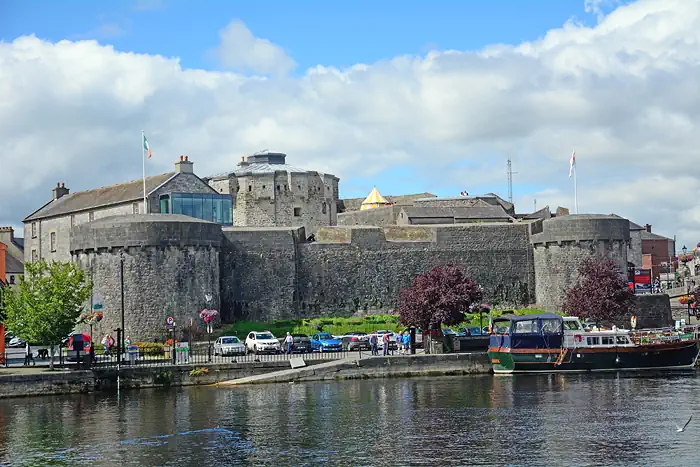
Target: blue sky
338, 33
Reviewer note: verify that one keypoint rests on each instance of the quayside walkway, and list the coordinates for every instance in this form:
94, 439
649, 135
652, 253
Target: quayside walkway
375, 367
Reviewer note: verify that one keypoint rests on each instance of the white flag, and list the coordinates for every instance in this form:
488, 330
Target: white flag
572, 163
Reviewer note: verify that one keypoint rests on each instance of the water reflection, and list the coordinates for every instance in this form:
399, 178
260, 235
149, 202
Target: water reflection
517, 420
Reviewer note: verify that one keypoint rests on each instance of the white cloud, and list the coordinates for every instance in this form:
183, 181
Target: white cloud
623, 93
240, 50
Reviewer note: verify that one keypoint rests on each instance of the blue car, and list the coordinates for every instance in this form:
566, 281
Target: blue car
325, 342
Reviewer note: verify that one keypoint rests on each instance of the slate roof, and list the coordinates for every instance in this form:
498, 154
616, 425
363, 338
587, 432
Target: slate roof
634, 226
354, 204
13, 265
98, 197
477, 212
652, 236
19, 241
543, 213
258, 168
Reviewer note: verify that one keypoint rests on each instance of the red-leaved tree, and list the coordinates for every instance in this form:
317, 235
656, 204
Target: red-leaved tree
440, 296
601, 293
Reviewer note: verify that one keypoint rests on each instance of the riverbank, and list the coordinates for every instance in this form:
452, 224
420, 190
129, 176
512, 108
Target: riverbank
24, 382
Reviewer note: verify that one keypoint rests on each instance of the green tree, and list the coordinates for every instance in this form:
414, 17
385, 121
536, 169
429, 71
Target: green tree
44, 308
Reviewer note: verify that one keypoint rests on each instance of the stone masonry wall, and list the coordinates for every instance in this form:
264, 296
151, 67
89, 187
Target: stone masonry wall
377, 217
565, 242
274, 274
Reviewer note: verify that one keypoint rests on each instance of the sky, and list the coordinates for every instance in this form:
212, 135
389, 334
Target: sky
409, 96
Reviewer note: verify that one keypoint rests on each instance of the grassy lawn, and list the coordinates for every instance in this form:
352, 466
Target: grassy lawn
340, 326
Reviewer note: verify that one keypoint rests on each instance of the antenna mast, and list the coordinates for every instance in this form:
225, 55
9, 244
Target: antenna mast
510, 180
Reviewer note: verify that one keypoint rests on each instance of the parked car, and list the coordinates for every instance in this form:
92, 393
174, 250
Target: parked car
355, 341
16, 342
8, 337
325, 342
229, 345
392, 339
262, 342
302, 343
450, 332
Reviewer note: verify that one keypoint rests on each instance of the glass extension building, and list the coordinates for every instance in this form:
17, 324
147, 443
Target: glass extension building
212, 207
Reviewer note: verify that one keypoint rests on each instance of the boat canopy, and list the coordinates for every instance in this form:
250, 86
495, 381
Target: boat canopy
536, 316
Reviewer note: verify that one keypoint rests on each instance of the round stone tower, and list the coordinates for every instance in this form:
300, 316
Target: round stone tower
171, 268
564, 242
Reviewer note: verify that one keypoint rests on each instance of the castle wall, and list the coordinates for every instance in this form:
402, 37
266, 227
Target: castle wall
275, 274
565, 242
373, 217
171, 264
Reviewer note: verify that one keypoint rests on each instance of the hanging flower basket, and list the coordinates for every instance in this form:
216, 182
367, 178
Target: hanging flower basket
91, 318
208, 315
685, 299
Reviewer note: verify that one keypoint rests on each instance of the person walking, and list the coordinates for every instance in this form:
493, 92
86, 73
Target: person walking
386, 338
407, 343
28, 355
107, 344
289, 340
399, 343
373, 342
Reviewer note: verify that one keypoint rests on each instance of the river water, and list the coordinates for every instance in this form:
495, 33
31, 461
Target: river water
531, 420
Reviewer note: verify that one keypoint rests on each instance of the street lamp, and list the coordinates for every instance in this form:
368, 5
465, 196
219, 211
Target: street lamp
120, 348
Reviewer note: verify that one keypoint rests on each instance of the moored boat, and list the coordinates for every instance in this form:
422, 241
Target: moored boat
548, 343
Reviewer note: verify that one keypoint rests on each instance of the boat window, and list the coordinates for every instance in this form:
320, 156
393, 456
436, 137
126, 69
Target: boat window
551, 326
571, 325
593, 340
526, 327
622, 340
608, 340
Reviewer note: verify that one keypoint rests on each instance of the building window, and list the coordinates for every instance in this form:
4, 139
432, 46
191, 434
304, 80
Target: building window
278, 188
238, 188
72, 220
323, 208
264, 187
12, 279
33, 229
250, 188
297, 212
165, 204
299, 187
53, 241
212, 207
285, 187
33, 255
91, 216
134, 208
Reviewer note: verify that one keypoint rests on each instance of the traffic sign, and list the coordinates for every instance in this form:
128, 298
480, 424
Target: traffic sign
170, 321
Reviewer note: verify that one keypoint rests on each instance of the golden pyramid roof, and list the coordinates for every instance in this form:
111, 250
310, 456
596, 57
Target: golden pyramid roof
374, 200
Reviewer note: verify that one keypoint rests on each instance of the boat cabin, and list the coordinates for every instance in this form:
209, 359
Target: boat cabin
551, 331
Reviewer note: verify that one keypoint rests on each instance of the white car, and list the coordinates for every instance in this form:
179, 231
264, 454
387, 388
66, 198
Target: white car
262, 342
228, 345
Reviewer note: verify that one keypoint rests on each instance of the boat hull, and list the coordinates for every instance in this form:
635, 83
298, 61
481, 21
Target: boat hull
673, 355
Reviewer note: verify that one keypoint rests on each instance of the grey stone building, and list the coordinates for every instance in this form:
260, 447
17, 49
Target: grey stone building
47, 230
266, 191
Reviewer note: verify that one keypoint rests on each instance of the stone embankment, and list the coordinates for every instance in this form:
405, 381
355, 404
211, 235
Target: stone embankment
23, 382
377, 367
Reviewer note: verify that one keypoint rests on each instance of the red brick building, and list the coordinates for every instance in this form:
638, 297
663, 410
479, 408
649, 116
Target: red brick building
657, 252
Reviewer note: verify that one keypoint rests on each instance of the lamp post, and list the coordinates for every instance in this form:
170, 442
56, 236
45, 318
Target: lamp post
121, 283
208, 297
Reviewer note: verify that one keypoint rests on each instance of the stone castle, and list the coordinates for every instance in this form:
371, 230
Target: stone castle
269, 241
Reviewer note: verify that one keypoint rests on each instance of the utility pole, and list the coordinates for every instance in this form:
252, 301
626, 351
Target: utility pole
510, 180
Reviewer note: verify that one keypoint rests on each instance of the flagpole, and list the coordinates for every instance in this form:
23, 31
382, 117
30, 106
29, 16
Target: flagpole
575, 188
143, 161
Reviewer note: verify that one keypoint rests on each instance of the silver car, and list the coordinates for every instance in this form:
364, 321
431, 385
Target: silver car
228, 345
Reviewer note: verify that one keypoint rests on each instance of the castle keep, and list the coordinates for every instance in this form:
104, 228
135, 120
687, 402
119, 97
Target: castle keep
189, 252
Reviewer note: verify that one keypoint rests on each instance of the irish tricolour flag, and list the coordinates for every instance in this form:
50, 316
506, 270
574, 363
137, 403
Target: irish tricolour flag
572, 162
146, 146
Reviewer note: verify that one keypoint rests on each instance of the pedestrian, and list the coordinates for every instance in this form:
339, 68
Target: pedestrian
28, 355
385, 343
289, 340
407, 343
106, 343
399, 340
373, 342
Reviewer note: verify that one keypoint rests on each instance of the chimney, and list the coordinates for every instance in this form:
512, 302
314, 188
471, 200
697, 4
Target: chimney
243, 162
60, 190
184, 166
648, 227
